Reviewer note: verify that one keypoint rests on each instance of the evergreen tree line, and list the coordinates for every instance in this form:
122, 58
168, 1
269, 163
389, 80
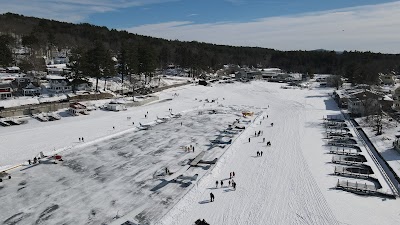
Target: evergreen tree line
140, 54
99, 62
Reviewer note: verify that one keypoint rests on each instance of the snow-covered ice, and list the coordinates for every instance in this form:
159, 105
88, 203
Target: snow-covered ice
114, 174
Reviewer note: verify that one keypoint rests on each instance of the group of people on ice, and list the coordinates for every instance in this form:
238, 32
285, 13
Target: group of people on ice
231, 183
34, 161
189, 148
232, 174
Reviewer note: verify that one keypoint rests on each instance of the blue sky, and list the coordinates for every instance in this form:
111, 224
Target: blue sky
211, 11
365, 25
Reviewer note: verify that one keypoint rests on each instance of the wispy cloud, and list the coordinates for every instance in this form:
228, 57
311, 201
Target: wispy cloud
193, 14
69, 10
365, 28
236, 2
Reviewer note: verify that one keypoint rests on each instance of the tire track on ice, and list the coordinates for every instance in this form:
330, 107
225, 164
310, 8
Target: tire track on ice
313, 210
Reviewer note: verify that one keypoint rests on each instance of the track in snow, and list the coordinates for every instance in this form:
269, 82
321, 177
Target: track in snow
277, 188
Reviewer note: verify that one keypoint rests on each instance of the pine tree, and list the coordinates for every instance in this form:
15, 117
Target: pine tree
146, 60
97, 63
6, 58
128, 63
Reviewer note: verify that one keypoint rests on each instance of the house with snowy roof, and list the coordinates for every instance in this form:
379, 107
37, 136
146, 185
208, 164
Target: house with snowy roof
341, 97
247, 75
31, 90
56, 69
26, 86
387, 79
58, 84
396, 99
270, 73
365, 103
13, 69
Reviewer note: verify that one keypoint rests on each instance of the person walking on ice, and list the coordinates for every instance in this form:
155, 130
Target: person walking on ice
216, 184
249, 140
261, 153
222, 183
263, 140
211, 197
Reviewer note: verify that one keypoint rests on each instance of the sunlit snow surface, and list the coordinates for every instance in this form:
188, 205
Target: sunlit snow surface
117, 173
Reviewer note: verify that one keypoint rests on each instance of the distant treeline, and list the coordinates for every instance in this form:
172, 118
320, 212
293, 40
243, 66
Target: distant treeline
359, 67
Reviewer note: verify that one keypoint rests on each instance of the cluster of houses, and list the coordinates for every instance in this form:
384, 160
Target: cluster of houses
269, 74
361, 100
13, 83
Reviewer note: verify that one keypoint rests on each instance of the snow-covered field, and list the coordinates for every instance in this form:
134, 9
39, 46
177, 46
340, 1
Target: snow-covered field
384, 142
111, 85
114, 174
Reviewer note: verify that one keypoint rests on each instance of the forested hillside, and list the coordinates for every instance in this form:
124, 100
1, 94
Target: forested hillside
45, 34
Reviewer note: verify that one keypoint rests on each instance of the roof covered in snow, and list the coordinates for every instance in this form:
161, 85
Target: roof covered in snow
55, 77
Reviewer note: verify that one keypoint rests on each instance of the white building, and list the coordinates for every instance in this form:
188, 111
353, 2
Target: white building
363, 103
31, 89
58, 84
13, 69
56, 69
6, 90
112, 106
387, 79
396, 99
270, 73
